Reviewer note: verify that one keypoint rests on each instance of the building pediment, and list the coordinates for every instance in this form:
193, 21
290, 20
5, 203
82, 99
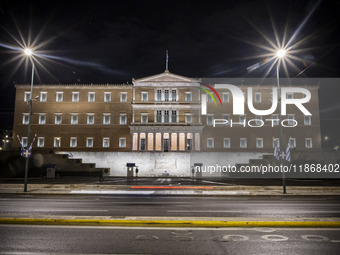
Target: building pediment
165, 77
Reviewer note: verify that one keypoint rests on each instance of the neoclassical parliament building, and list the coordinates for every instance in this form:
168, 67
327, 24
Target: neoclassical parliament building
161, 122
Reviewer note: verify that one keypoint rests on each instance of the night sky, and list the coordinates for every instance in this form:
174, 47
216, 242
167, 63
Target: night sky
115, 41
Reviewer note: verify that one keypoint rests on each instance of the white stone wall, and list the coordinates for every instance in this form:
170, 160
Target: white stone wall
157, 163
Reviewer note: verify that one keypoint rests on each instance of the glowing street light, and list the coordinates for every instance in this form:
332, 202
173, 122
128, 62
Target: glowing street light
281, 53
29, 53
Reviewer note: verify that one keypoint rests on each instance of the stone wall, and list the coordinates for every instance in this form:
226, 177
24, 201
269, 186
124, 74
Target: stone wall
157, 164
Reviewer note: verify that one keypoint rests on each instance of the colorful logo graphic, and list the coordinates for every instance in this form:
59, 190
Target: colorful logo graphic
213, 90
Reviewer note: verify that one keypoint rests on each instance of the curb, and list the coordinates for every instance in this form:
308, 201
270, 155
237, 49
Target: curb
172, 223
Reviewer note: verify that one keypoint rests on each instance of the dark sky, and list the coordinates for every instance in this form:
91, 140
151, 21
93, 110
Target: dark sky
115, 41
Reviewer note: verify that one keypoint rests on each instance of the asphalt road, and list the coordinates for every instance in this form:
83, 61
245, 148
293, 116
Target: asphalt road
184, 206
38, 240
176, 181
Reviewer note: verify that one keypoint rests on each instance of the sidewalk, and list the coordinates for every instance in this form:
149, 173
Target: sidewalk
185, 190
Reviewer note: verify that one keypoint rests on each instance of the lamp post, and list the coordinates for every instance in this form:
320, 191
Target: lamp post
280, 54
28, 53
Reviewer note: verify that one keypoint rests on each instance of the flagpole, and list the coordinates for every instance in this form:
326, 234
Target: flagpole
280, 138
167, 61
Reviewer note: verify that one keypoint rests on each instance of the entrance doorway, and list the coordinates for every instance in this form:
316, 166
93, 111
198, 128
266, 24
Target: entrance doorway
166, 145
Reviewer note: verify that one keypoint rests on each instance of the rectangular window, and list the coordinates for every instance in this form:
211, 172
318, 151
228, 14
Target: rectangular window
308, 143
27, 97
122, 142
74, 119
106, 142
242, 119
225, 97
210, 119
25, 118
90, 119
75, 97
243, 143
227, 118
276, 141
181, 141
159, 116
42, 119
57, 142
106, 119
107, 97
188, 97
123, 97
144, 96
150, 141
292, 143
58, 119
41, 142
59, 97
188, 118
189, 141
258, 98
166, 116
173, 95
166, 95
91, 97
226, 143
174, 141
122, 120
144, 117
210, 143
209, 99
291, 119
24, 141
173, 116
258, 121
275, 120
89, 142
289, 95
73, 142
159, 95
259, 143
307, 120
43, 96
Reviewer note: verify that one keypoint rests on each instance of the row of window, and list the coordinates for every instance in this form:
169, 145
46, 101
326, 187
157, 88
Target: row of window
165, 116
166, 95
161, 95
74, 142
122, 142
75, 96
259, 143
58, 119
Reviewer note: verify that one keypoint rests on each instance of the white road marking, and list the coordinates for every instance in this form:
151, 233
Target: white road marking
335, 241
315, 238
274, 238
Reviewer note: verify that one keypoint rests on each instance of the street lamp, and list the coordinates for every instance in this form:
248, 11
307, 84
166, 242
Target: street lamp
28, 52
280, 54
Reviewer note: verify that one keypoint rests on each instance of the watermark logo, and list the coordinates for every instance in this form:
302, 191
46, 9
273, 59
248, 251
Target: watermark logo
204, 97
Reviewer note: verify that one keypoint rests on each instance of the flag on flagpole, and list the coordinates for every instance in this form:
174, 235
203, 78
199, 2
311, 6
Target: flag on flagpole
276, 149
287, 152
